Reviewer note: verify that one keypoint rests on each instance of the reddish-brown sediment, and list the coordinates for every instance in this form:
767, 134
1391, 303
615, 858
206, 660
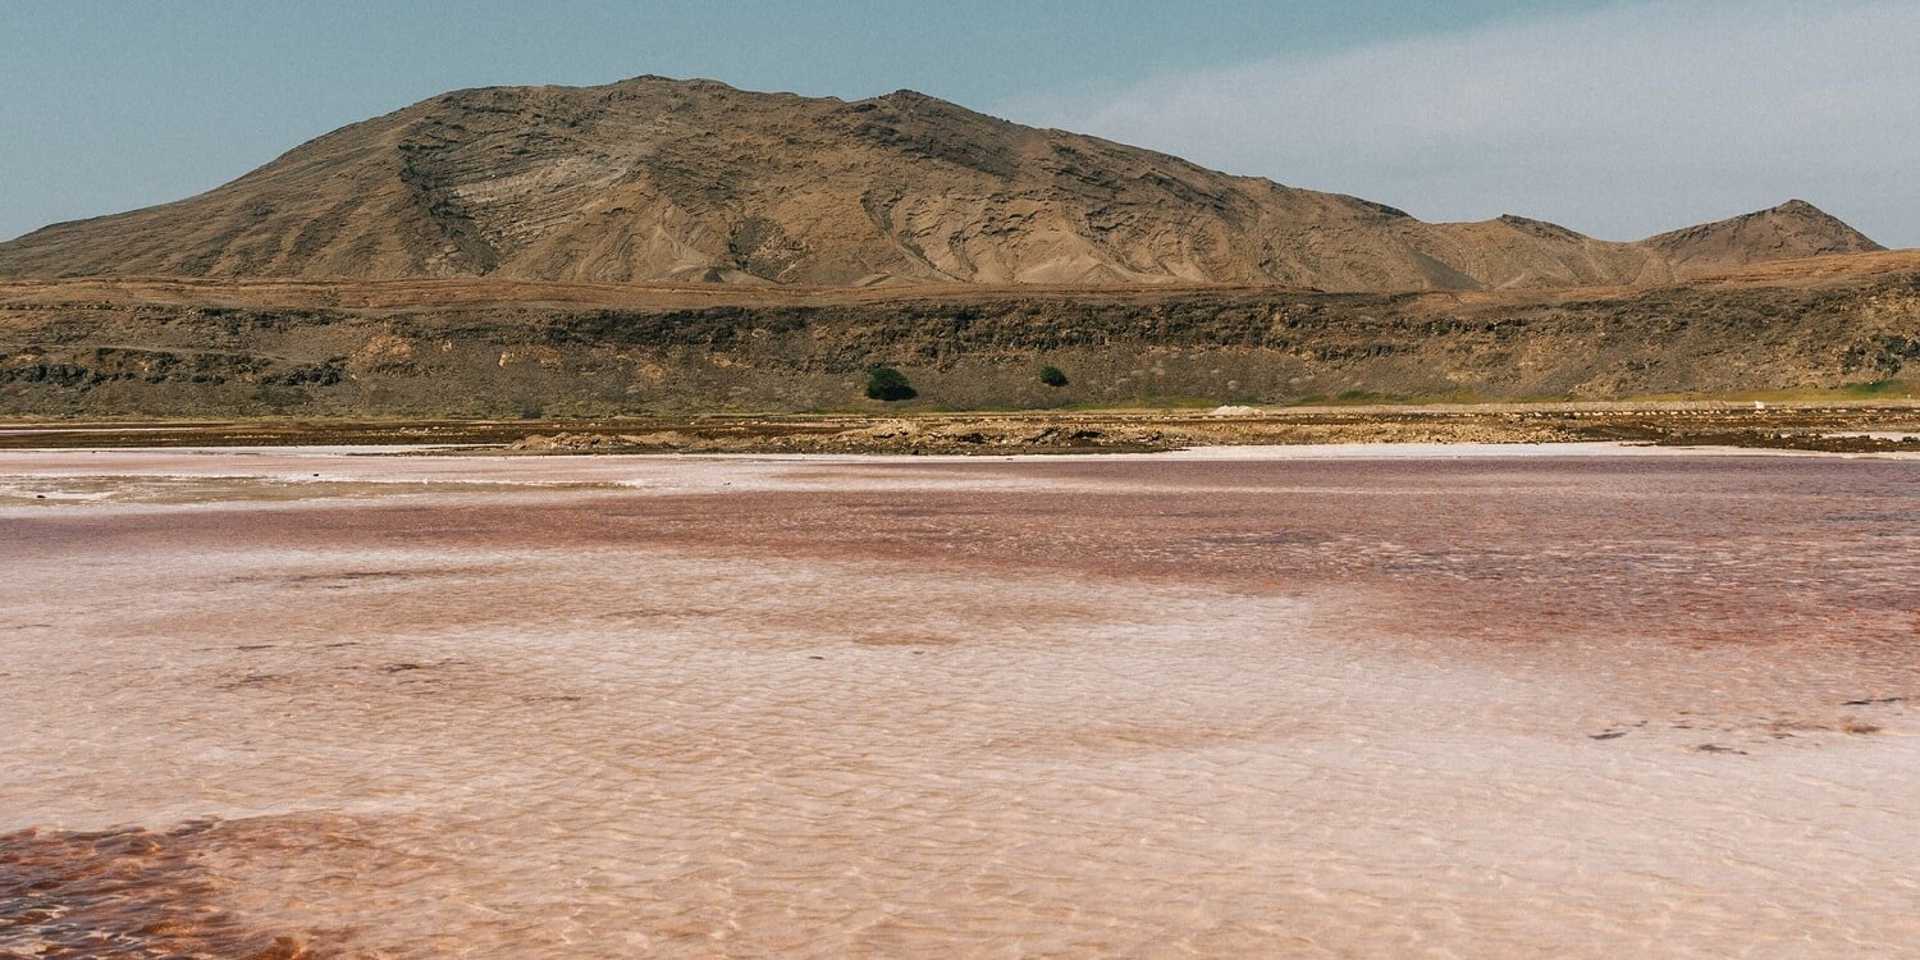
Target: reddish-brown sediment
1586, 703
126, 892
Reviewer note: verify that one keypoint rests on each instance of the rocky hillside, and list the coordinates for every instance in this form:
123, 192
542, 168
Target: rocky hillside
494, 348
658, 180
1792, 230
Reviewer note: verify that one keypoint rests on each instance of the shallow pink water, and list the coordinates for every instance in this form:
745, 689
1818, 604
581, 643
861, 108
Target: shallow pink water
1249, 704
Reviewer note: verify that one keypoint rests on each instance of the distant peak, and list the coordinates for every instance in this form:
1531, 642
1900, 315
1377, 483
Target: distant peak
674, 81
653, 84
1795, 207
1801, 208
1538, 227
915, 99
912, 103
1794, 228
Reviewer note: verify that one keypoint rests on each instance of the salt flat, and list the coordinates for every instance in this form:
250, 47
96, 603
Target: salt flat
1580, 701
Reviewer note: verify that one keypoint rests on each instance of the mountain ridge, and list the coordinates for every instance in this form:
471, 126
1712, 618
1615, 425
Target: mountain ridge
652, 179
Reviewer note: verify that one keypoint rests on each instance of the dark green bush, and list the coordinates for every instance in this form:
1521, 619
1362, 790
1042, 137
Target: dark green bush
1053, 376
886, 383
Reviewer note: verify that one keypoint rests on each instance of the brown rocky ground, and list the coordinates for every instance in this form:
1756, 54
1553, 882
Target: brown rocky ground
1843, 327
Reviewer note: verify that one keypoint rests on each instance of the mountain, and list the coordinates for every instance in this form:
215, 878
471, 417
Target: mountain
1790, 231
660, 180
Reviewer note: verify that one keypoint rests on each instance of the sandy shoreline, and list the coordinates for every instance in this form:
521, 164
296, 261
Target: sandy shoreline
1854, 426
1490, 701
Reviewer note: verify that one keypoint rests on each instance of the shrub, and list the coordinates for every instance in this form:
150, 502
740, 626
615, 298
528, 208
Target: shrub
886, 383
1053, 376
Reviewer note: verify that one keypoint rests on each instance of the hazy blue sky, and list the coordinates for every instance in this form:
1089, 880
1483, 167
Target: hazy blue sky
1618, 118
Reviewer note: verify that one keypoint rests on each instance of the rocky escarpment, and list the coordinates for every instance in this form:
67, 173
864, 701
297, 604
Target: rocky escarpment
95, 351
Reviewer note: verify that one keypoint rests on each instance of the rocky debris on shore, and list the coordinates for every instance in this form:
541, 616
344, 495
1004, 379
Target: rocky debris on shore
887, 436
569, 443
1862, 429
989, 435
1775, 440
566, 442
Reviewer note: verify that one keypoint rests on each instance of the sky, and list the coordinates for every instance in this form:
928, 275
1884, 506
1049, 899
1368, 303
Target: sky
1619, 118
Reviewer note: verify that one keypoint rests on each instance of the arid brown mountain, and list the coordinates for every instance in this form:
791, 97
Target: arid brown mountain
659, 180
1792, 230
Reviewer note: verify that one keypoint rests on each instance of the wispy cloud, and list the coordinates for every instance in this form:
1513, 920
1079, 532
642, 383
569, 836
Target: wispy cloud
1621, 123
